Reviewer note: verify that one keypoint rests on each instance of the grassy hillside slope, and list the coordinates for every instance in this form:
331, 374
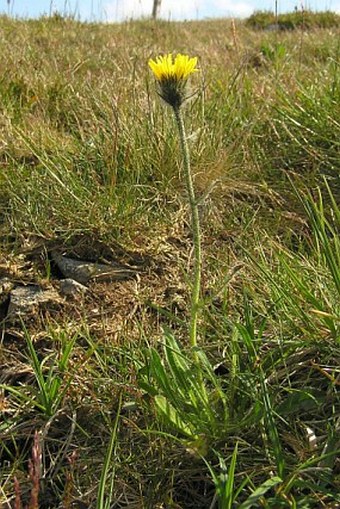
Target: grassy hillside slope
91, 170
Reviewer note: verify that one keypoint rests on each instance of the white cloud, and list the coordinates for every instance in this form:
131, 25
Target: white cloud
122, 9
118, 10
230, 8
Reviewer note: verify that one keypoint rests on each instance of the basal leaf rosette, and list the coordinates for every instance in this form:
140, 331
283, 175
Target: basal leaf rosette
172, 75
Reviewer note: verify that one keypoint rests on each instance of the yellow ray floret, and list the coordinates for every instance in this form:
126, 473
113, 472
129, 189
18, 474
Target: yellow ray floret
165, 68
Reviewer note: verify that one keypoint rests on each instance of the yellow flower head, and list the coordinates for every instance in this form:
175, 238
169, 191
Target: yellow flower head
164, 67
172, 75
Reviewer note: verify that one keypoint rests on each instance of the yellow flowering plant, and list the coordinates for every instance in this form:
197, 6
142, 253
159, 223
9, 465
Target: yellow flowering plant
177, 382
172, 75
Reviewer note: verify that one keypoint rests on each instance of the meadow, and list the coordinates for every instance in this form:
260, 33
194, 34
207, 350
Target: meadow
102, 402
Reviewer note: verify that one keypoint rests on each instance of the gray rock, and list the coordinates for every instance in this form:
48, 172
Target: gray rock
71, 288
26, 300
83, 271
273, 27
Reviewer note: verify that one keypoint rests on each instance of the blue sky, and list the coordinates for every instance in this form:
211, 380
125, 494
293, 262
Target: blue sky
117, 10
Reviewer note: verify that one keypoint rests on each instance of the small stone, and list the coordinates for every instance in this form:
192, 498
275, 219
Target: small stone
26, 300
84, 272
71, 288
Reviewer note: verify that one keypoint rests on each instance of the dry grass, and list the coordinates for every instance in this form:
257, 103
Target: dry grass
89, 166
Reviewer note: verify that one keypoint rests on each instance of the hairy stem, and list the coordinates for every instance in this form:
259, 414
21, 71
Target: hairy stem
196, 230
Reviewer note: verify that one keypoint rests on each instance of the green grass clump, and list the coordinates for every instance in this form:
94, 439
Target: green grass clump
100, 391
304, 19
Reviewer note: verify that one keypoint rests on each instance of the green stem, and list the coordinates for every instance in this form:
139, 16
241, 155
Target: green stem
196, 230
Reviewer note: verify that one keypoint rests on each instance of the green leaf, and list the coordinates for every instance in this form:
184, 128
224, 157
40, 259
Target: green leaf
259, 492
299, 401
228, 492
161, 377
150, 389
172, 417
180, 369
110, 451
